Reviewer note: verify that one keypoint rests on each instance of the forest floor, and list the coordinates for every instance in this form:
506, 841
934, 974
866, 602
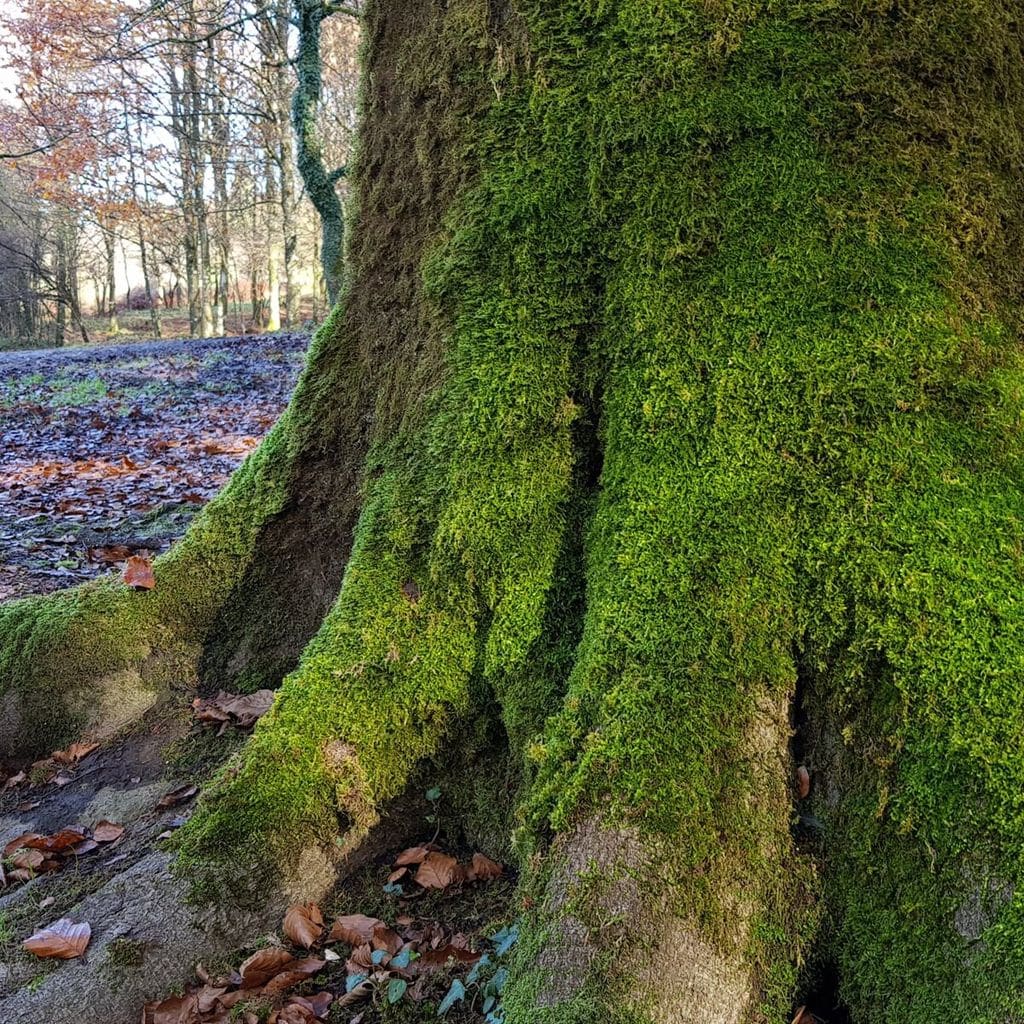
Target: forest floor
109, 451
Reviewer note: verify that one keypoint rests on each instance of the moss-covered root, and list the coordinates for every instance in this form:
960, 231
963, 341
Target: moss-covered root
93, 658
626, 930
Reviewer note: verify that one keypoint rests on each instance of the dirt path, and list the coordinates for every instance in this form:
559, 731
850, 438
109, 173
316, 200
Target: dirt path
112, 449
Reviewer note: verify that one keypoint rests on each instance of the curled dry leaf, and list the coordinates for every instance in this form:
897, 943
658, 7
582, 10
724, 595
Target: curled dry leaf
244, 710
177, 796
359, 994
318, 1002
438, 871
59, 841
28, 860
361, 960
79, 750
20, 842
440, 957
263, 965
414, 855
64, 939
293, 1013
295, 974
107, 831
15, 780
483, 867
173, 1010
387, 939
355, 929
803, 782
303, 924
138, 573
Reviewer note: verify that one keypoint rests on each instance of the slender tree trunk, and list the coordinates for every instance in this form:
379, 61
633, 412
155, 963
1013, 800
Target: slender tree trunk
319, 181
274, 255
109, 245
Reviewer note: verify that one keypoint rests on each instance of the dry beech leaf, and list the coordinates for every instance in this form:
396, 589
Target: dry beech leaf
355, 929
438, 871
20, 842
173, 1010
177, 796
414, 855
28, 860
138, 573
293, 1013
387, 939
294, 974
303, 924
107, 831
61, 840
359, 994
74, 753
803, 782
318, 1002
440, 956
263, 965
803, 1016
484, 867
360, 961
242, 709
64, 940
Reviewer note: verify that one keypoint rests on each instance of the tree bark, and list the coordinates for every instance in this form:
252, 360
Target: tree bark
671, 413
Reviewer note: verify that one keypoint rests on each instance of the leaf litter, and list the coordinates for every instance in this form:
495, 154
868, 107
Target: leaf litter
411, 957
109, 451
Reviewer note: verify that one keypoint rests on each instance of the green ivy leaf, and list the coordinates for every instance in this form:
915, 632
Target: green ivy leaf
456, 994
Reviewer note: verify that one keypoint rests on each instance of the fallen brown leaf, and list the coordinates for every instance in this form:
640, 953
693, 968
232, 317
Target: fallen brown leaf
177, 796
303, 924
64, 940
439, 957
318, 1002
61, 840
173, 1010
438, 871
74, 753
803, 782
28, 860
355, 929
293, 1013
414, 855
263, 965
242, 709
294, 974
107, 831
386, 939
138, 573
483, 867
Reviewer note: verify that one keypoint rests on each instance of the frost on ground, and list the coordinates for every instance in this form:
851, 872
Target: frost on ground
109, 451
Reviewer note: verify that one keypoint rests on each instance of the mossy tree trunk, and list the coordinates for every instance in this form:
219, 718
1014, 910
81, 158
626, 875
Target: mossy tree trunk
676, 380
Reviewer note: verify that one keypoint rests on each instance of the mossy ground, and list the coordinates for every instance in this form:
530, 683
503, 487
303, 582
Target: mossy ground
722, 375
